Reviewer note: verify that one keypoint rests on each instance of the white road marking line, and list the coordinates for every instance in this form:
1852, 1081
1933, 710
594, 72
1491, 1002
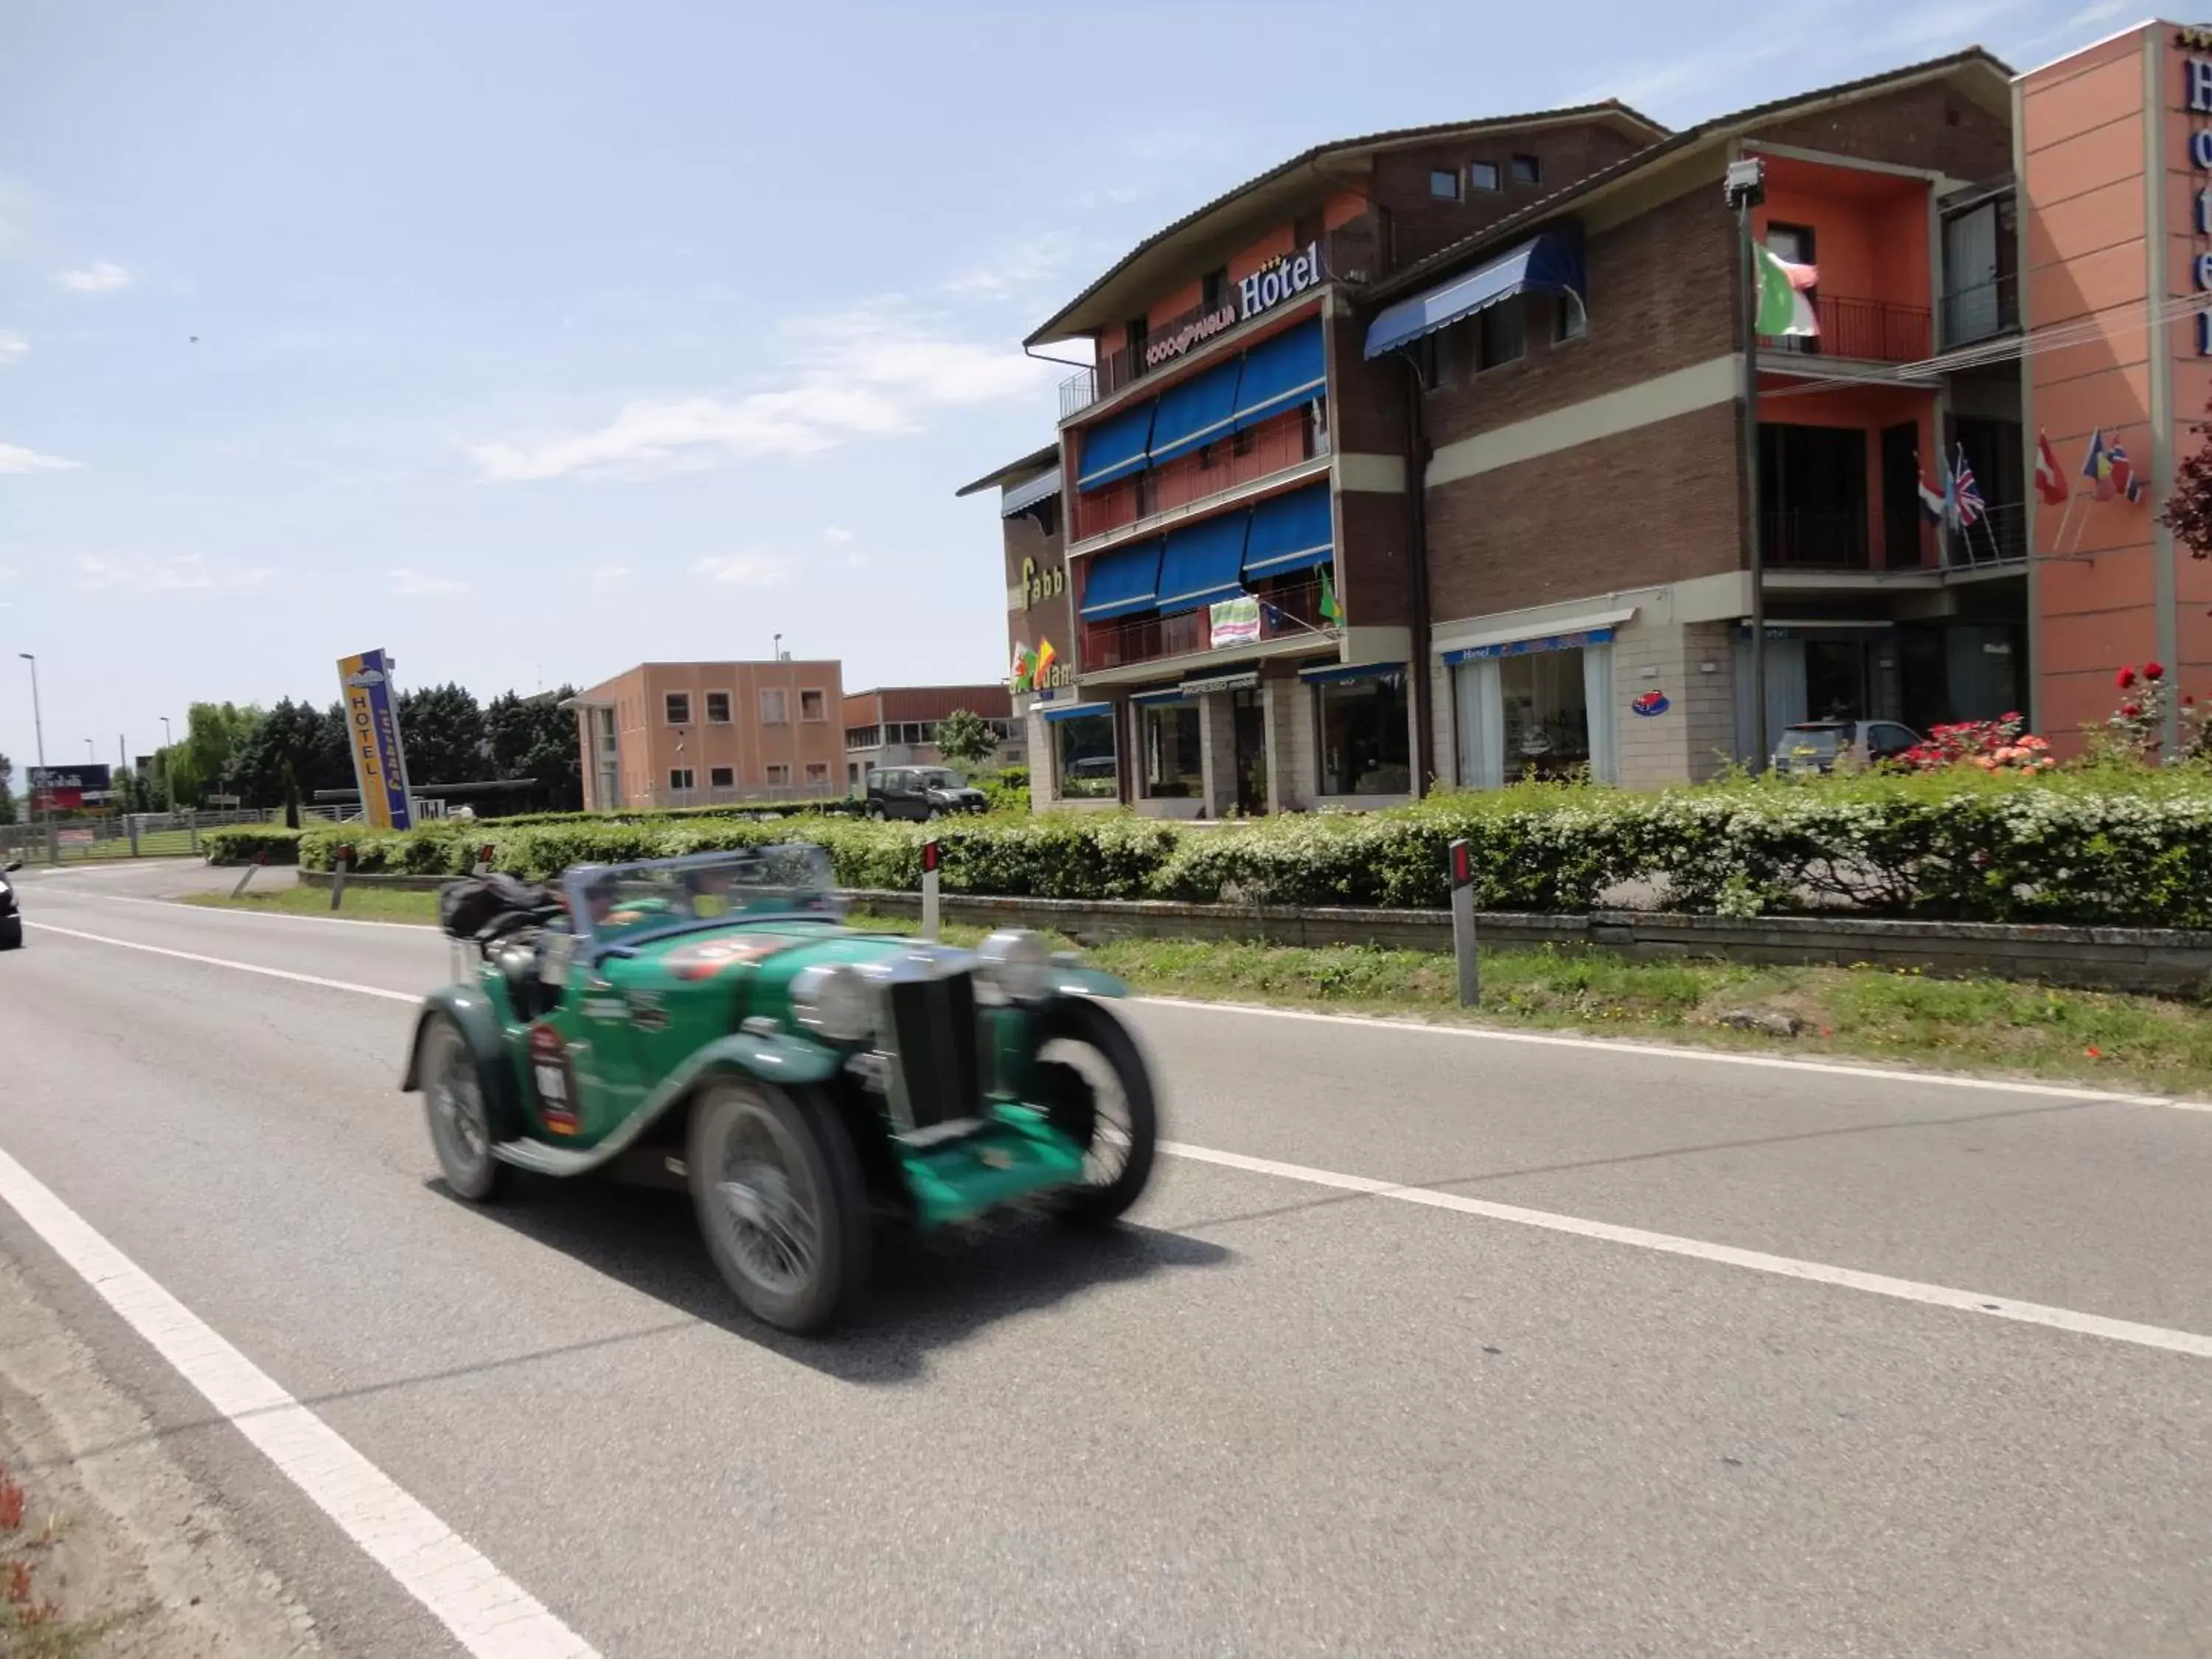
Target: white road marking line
488, 1613
1708, 1056
1818, 1272
1939, 1296
225, 962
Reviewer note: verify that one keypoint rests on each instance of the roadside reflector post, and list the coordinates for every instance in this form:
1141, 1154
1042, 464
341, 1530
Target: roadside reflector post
192, 823
339, 863
929, 888
259, 859
130, 823
1463, 915
483, 860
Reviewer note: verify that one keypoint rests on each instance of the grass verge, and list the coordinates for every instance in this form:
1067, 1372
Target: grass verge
2108, 1040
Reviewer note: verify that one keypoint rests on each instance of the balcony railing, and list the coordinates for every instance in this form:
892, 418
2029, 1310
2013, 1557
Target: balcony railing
1869, 331
1284, 611
1349, 253
2000, 536
1245, 458
1977, 313
1814, 539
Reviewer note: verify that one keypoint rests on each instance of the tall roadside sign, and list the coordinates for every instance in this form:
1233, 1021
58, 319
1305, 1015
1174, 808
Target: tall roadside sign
380, 765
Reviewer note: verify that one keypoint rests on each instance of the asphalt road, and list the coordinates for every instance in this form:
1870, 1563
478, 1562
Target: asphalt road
1277, 1415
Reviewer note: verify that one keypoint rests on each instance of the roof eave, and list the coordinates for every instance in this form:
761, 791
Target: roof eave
1037, 461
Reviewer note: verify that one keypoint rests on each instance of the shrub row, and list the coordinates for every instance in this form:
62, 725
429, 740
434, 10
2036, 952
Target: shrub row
2069, 848
241, 843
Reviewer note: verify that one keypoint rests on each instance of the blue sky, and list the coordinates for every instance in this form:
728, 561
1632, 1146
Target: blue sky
537, 339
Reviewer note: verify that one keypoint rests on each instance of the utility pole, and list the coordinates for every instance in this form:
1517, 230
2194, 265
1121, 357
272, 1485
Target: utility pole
1745, 188
38, 732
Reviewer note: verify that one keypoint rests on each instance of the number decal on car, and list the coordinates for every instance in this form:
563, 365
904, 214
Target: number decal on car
553, 1079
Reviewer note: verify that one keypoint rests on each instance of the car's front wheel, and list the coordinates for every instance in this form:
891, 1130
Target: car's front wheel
461, 1131
780, 1197
1091, 1079
877, 813
11, 933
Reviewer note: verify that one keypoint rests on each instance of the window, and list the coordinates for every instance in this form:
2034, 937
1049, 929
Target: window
1172, 770
679, 778
1546, 703
1365, 748
1444, 187
779, 775
1528, 170
813, 706
818, 772
1083, 757
722, 777
776, 705
1435, 353
677, 705
1499, 336
1483, 175
718, 708
1569, 321
1213, 290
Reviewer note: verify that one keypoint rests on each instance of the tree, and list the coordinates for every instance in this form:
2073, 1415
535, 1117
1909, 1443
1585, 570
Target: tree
442, 730
7, 790
2188, 509
276, 763
201, 766
963, 738
535, 738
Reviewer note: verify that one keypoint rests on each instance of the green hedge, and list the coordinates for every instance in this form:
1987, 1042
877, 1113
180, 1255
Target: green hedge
2116, 849
242, 843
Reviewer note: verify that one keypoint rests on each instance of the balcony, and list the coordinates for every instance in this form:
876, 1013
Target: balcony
1349, 253
1814, 539
1980, 312
1999, 538
1865, 330
1271, 447
1285, 612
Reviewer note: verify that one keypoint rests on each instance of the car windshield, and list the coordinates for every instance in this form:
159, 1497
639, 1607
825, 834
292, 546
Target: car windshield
1812, 739
623, 903
940, 777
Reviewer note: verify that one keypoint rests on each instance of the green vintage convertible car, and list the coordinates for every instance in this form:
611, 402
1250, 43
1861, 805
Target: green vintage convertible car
711, 1021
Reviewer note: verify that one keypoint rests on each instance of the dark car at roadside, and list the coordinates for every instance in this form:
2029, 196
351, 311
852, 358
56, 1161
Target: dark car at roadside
921, 793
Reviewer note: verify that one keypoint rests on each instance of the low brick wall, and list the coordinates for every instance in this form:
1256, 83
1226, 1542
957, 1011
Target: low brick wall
2112, 958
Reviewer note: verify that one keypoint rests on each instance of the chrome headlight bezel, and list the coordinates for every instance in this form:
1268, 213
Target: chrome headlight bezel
1016, 964
830, 1001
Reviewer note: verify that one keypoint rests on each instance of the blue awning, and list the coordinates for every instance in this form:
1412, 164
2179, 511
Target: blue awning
1281, 374
1202, 563
1115, 447
1115, 584
1290, 532
1335, 672
1530, 647
1550, 264
1196, 412
1156, 699
1077, 711
1023, 496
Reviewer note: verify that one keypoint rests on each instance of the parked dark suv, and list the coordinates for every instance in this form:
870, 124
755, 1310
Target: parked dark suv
922, 792
11, 910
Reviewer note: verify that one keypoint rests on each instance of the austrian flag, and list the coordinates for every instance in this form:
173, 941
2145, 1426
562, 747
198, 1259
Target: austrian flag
1783, 308
2049, 482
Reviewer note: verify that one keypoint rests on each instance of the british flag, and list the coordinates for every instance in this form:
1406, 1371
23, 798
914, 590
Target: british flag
1968, 495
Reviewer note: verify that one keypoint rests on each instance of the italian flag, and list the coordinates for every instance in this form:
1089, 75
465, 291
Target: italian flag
1783, 308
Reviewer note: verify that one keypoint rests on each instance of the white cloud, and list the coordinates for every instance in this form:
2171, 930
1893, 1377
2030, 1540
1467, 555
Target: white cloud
13, 457
175, 572
422, 585
874, 372
1016, 266
837, 535
13, 347
744, 570
609, 577
100, 277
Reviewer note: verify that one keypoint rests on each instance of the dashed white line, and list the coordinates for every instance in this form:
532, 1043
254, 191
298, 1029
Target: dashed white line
489, 1614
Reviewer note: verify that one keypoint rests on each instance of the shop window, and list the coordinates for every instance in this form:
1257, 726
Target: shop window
779, 775
1500, 335
677, 707
1528, 170
1444, 185
1365, 747
814, 706
718, 708
1172, 770
722, 777
679, 778
1083, 757
1546, 706
774, 706
1483, 175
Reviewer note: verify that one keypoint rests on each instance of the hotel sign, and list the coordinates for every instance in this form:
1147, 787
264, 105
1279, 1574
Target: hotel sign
1283, 278
2196, 101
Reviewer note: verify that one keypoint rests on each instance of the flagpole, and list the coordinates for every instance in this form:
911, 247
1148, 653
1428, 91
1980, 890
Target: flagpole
1746, 189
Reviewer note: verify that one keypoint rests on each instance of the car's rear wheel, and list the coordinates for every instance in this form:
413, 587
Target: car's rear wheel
11, 933
1091, 1079
877, 813
778, 1190
460, 1115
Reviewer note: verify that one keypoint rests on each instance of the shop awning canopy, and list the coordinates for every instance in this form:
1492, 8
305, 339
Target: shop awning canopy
1290, 532
1115, 447
1196, 412
1550, 264
1281, 374
1203, 564
1336, 673
1076, 711
1125, 580
1022, 497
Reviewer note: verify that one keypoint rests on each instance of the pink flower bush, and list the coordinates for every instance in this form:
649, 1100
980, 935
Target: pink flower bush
1998, 746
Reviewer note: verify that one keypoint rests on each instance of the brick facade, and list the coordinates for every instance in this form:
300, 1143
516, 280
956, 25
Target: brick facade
1027, 536
1931, 125
1420, 224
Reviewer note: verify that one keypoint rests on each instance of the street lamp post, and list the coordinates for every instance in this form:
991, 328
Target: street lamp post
39, 730
1746, 189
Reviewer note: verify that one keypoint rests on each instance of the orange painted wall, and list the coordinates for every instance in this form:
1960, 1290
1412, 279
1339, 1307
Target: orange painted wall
813, 734
1868, 246
1869, 409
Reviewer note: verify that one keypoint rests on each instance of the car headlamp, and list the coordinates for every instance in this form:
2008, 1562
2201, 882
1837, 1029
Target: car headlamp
1015, 963
831, 1000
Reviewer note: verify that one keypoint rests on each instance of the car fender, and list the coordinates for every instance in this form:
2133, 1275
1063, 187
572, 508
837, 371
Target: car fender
789, 1062
480, 1023
1070, 980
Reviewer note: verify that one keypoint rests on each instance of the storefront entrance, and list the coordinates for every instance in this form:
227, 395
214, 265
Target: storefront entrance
1249, 724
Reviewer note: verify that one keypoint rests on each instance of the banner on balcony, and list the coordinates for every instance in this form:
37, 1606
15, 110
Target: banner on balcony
1236, 622
1783, 308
